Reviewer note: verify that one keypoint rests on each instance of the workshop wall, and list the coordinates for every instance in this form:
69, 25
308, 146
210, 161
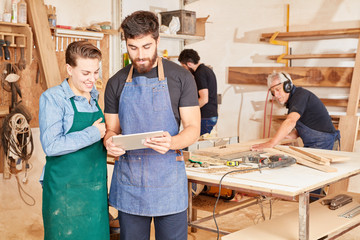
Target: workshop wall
233, 34
232, 39
81, 13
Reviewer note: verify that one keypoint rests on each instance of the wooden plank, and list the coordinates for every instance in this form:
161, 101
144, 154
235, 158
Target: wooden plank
314, 35
334, 156
312, 155
334, 102
310, 56
305, 162
300, 155
355, 86
39, 22
301, 76
348, 126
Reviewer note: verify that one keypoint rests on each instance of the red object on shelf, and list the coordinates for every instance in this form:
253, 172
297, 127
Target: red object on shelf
64, 27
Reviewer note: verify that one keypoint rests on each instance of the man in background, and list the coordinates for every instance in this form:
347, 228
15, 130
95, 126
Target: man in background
307, 116
206, 86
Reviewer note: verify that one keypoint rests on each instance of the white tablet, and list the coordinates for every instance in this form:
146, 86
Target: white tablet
134, 141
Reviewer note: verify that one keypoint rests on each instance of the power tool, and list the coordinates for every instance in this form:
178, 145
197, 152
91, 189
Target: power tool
279, 160
274, 161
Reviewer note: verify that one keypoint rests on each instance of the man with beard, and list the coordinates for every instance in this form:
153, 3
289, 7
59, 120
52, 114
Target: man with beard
151, 94
207, 88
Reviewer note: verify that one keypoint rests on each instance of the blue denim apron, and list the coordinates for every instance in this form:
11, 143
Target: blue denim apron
316, 139
144, 181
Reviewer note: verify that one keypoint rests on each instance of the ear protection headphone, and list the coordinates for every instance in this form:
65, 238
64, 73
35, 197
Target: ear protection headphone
288, 85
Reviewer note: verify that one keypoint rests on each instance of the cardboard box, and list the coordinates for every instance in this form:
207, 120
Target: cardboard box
187, 20
200, 26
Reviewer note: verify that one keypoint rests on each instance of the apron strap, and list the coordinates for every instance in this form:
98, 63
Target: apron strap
73, 105
129, 77
160, 70
161, 74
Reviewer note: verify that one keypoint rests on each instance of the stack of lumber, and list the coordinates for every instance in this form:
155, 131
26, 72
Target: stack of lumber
310, 157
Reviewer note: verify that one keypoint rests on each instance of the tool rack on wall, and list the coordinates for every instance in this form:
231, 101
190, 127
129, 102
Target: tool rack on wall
18, 36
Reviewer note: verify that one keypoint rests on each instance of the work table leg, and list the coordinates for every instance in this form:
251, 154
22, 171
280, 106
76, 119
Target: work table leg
189, 202
304, 216
192, 213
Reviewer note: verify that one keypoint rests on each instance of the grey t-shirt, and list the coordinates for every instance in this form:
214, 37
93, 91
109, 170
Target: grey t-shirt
181, 84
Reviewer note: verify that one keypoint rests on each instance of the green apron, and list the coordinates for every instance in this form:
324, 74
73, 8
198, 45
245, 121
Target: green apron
75, 189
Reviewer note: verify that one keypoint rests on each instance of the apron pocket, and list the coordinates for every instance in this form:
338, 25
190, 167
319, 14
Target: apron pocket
159, 96
85, 198
130, 169
161, 171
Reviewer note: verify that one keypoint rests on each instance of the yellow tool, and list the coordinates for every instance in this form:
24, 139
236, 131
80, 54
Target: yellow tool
232, 163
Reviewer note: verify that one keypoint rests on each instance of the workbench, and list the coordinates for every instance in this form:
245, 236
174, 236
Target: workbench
290, 183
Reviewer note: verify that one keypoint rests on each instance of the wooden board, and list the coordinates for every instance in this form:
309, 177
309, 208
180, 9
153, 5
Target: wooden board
334, 102
39, 22
301, 155
323, 221
355, 86
348, 126
314, 35
312, 155
301, 160
334, 156
311, 56
301, 76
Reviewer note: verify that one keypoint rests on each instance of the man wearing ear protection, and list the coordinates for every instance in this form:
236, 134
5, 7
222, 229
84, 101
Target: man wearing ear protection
307, 116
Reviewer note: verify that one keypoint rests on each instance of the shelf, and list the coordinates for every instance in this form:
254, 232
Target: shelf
189, 1
309, 56
19, 35
187, 38
314, 35
324, 223
14, 24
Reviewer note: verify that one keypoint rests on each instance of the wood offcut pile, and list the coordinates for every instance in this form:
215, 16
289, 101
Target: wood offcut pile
314, 158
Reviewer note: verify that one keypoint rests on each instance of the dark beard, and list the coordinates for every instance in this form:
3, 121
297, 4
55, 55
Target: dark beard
144, 68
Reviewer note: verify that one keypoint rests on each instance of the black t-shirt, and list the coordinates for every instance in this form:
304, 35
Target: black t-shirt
312, 111
181, 85
206, 79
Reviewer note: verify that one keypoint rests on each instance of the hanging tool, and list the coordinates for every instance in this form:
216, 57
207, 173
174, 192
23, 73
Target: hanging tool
2, 42
22, 61
62, 44
6, 50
